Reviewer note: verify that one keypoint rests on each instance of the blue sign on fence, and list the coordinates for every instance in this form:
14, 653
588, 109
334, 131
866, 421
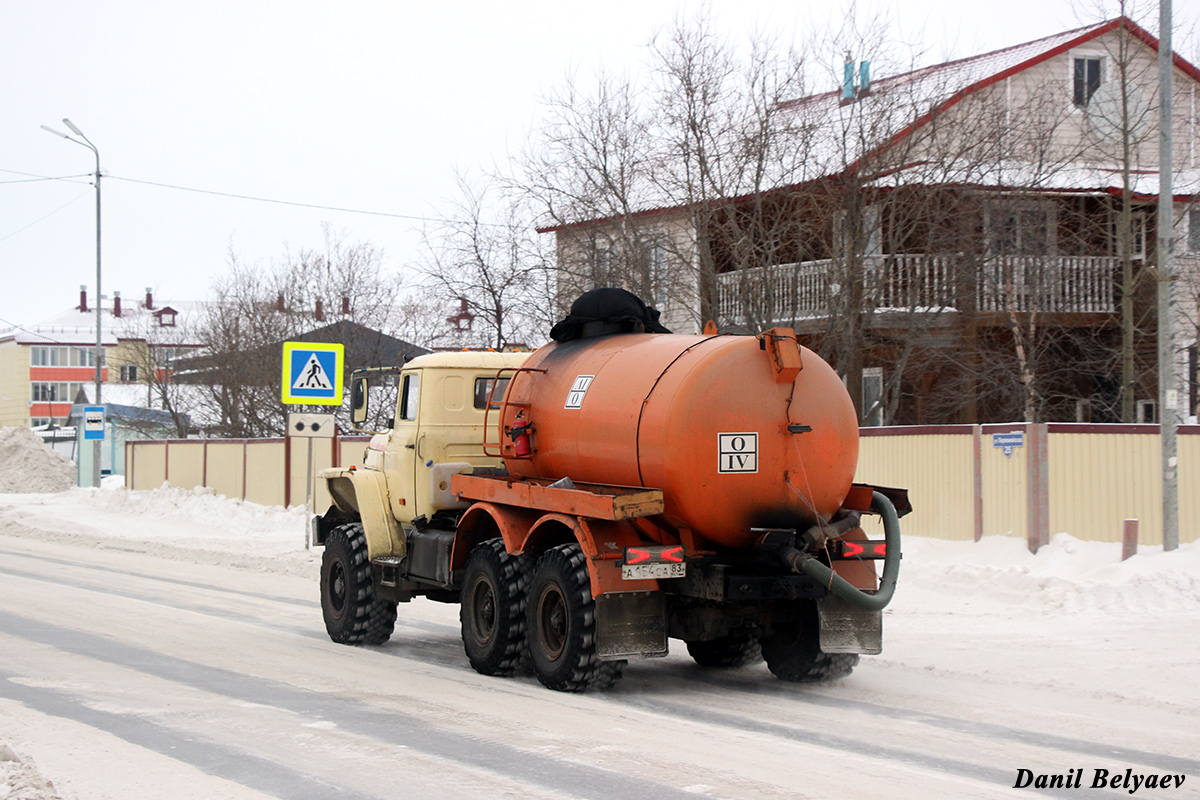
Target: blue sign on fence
1008, 441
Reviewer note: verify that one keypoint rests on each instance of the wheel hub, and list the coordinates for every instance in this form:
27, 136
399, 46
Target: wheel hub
552, 621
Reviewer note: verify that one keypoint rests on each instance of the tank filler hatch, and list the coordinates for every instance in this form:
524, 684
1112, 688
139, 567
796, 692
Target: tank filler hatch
784, 351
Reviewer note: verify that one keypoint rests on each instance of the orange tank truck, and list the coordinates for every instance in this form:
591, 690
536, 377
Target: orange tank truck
622, 490
738, 432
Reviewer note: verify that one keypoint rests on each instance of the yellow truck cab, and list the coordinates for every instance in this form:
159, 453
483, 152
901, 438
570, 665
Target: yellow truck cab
381, 510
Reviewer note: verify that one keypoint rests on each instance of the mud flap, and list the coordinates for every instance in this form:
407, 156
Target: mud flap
631, 624
846, 629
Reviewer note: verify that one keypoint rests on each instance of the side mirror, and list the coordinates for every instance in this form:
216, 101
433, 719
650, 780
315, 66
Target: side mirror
358, 401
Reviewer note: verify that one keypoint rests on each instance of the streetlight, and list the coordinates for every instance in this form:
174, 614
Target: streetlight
99, 354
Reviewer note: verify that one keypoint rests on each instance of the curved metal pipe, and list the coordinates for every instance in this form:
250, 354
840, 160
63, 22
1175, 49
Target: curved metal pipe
879, 599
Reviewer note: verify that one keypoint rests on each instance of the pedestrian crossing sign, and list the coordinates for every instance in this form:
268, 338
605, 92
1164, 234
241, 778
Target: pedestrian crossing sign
312, 373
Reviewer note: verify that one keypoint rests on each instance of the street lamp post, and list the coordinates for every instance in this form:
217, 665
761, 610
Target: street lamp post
99, 354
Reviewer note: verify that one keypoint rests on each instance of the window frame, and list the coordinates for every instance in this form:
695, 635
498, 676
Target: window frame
1076, 88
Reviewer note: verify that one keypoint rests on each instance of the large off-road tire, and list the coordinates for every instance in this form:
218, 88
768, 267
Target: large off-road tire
793, 650
493, 608
352, 613
735, 650
561, 626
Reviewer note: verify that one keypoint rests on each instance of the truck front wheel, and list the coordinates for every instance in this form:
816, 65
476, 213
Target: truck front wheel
352, 613
493, 608
562, 624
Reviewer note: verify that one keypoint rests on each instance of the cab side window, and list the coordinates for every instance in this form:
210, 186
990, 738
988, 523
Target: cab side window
410, 392
483, 390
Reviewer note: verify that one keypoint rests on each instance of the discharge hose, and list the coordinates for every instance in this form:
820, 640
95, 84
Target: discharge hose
879, 599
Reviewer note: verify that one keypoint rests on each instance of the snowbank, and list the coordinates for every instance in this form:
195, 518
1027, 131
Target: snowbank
1067, 576
28, 465
20, 779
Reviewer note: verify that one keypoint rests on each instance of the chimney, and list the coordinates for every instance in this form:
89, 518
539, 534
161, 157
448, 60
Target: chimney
83, 299
864, 78
320, 312
279, 303
848, 79
116, 304
345, 306
149, 300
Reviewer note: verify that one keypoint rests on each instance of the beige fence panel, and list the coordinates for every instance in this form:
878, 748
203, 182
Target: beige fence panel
323, 451
351, 450
265, 482
936, 465
1004, 484
149, 466
225, 468
265, 471
1101, 479
1189, 487
185, 463
1097, 476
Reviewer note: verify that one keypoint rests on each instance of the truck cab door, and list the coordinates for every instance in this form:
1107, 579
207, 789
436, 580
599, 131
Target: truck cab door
402, 457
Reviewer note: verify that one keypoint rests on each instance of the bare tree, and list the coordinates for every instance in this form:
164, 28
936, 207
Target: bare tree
487, 260
339, 293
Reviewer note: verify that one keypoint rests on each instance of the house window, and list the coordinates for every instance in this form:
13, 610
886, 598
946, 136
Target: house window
1193, 237
129, 373
47, 392
1024, 228
1137, 247
1087, 71
872, 397
654, 254
167, 319
604, 265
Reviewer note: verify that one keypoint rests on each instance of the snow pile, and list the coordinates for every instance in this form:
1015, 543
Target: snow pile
20, 779
193, 525
220, 515
1065, 577
28, 465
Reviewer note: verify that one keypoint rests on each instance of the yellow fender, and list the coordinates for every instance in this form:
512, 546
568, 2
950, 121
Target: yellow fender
363, 493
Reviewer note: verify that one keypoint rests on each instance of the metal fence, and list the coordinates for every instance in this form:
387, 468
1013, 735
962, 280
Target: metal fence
965, 481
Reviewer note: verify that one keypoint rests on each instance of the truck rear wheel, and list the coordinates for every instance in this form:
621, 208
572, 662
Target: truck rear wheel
735, 650
561, 626
493, 608
793, 651
352, 613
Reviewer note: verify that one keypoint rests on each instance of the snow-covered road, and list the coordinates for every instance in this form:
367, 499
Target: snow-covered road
170, 644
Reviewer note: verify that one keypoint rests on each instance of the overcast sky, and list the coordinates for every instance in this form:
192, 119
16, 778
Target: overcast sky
360, 104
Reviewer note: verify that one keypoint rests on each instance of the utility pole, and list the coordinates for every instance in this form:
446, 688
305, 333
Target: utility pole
1168, 391
97, 444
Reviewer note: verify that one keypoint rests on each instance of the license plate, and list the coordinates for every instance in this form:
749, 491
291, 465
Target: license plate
635, 572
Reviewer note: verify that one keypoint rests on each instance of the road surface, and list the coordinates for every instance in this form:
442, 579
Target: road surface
136, 669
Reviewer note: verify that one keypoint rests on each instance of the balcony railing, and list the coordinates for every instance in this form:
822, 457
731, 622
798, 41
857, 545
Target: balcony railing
912, 282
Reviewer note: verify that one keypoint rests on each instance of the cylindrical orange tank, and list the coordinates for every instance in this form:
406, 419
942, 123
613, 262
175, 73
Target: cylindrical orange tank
738, 431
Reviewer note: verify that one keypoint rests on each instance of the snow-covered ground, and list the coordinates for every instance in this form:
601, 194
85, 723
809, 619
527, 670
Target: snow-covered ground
984, 634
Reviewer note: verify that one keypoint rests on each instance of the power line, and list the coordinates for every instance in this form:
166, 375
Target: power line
34, 178
236, 196
52, 213
303, 205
